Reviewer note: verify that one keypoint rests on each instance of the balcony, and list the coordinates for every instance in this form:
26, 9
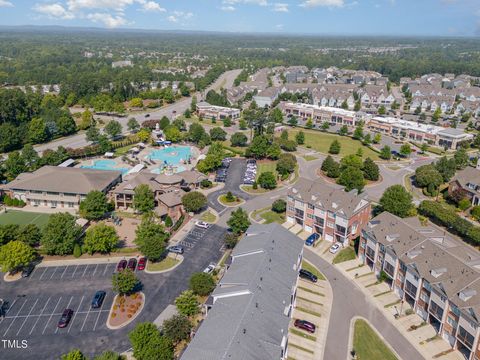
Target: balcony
299, 213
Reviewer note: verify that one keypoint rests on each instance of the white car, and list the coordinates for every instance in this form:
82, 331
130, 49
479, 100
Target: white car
209, 269
335, 248
202, 224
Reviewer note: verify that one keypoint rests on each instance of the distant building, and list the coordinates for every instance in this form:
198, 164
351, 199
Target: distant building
249, 312
467, 180
266, 97
122, 64
206, 110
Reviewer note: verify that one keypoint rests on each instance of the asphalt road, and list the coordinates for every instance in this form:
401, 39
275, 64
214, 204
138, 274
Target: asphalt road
36, 303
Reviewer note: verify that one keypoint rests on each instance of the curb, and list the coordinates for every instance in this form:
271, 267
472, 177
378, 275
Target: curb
8, 278
129, 320
230, 206
166, 270
115, 259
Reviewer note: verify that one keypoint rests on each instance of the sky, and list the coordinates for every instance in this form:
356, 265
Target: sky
322, 17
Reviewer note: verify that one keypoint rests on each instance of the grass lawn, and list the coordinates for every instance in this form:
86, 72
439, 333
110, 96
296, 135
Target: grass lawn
272, 216
309, 267
250, 189
303, 334
344, 255
165, 264
207, 216
24, 218
123, 150
368, 345
310, 157
321, 141
265, 166
223, 200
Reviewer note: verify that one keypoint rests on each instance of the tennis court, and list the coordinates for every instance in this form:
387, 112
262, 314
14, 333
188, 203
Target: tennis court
23, 218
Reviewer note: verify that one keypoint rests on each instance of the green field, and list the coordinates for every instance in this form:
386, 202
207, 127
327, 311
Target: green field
321, 141
368, 345
346, 254
23, 218
270, 166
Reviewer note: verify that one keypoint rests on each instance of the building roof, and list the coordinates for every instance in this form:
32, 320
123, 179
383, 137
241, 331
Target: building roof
469, 179
172, 198
191, 176
249, 317
64, 180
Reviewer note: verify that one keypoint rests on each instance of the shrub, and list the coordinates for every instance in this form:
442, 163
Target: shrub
205, 184
194, 201
202, 284
230, 240
267, 180
254, 185
229, 197
77, 251
168, 221
279, 206
475, 212
464, 204
14, 202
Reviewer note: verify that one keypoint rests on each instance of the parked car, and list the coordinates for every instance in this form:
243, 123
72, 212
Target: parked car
202, 224
147, 115
312, 239
177, 249
305, 325
65, 319
98, 298
27, 271
132, 264
335, 248
209, 269
142, 262
122, 264
305, 274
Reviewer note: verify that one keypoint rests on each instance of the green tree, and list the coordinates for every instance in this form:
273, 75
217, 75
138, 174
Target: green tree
151, 239
370, 170
406, 150
87, 120
300, 138
367, 139
475, 212
239, 139
334, 147
230, 240
436, 115
172, 133
37, 131
196, 133
343, 130
94, 206
227, 122
238, 221
427, 176
177, 328
325, 126
100, 238
124, 282
194, 201
187, 303
113, 128
193, 104
74, 354
461, 158
424, 148
259, 146
218, 134
148, 344
136, 103
60, 234
358, 106
351, 160
327, 163
93, 134
202, 284
377, 138
14, 165
164, 122
398, 201
30, 157
446, 167
309, 123
274, 151
276, 116
242, 124
292, 121
132, 124
108, 355
344, 105
15, 255
358, 133
279, 206
29, 234
286, 164
351, 178
386, 153
382, 110
267, 180
143, 198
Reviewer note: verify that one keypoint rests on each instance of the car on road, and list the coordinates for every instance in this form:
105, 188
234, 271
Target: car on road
98, 298
202, 224
122, 264
177, 249
334, 248
305, 274
27, 271
312, 239
132, 264
147, 115
65, 319
209, 269
142, 262
305, 325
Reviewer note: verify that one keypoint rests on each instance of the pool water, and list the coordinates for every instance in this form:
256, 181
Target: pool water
105, 165
171, 155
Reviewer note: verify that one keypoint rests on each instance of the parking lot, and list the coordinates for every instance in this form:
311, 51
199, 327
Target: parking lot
197, 234
72, 272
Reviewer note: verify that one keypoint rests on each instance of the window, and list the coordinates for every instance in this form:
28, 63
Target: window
331, 214
455, 310
452, 322
424, 297
465, 337
403, 267
290, 198
70, 204
310, 216
291, 208
330, 224
54, 203
310, 206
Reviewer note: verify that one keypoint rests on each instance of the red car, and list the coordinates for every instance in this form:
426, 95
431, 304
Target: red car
305, 325
142, 262
65, 319
132, 264
122, 264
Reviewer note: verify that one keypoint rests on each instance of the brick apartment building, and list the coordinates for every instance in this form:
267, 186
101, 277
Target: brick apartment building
436, 274
336, 215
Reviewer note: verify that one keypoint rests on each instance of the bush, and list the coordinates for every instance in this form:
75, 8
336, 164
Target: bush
202, 284
255, 185
168, 221
279, 206
286, 164
230, 240
77, 251
229, 197
194, 201
205, 184
267, 180
475, 212
14, 202
334, 147
464, 204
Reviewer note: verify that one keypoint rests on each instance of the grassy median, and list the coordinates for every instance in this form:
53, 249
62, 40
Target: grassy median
368, 345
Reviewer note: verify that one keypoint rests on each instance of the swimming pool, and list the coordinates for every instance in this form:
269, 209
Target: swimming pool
105, 165
171, 155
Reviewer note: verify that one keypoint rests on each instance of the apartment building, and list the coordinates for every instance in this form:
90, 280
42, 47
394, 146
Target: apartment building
468, 181
206, 110
436, 274
249, 312
336, 215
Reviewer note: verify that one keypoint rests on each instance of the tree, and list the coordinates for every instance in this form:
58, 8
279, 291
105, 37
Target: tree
242, 124
92, 134
309, 123
136, 103
202, 284
29, 234
334, 147
259, 146
436, 115
194, 201
358, 133
218, 134
344, 105
30, 157
180, 124
239, 139
187, 303
300, 138
343, 130
358, 106
87, 120
108, 355
37, 131
327, 163
193, 104
148, 344
424, 148
151, 239
230, 240
427, 176
60, 234
238, 221
386, 153
370, 170
351, 160
164, 122
276, 116
286, 164
274, 151
267, 180
143, 135
367, 139
351, 178
94, 206
113, 128
15, 255
397, 200
14, 165
284, 135
406, 150
475, 212
227, 122
382, 110
461, 158
446, 167
143, 198
124, 282
132, 124
292, 121
172, 133
74, 354
100, 238
177, 328
196, 133
377, 138
325, 126
279, 206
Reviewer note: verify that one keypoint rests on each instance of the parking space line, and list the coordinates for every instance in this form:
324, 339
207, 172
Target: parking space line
84, 271
94, 271
26, 318
75, 315
66, 267
10, 307
50, 318
74, 271
84, 321
41, 313
54, 270
44, 271
15, 318
66, 307
99, 312
33, 272
104, 271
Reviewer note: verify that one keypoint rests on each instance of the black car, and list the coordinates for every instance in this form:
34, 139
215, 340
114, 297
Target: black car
65, 319
98, 298
27, 271
305, 274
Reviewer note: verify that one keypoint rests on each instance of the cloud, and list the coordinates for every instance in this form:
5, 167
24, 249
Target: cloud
5, 3
253, 2
324, 3
150, 6
280, 7
178, 16
119, 5
228, 8
54, 11
108, 20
